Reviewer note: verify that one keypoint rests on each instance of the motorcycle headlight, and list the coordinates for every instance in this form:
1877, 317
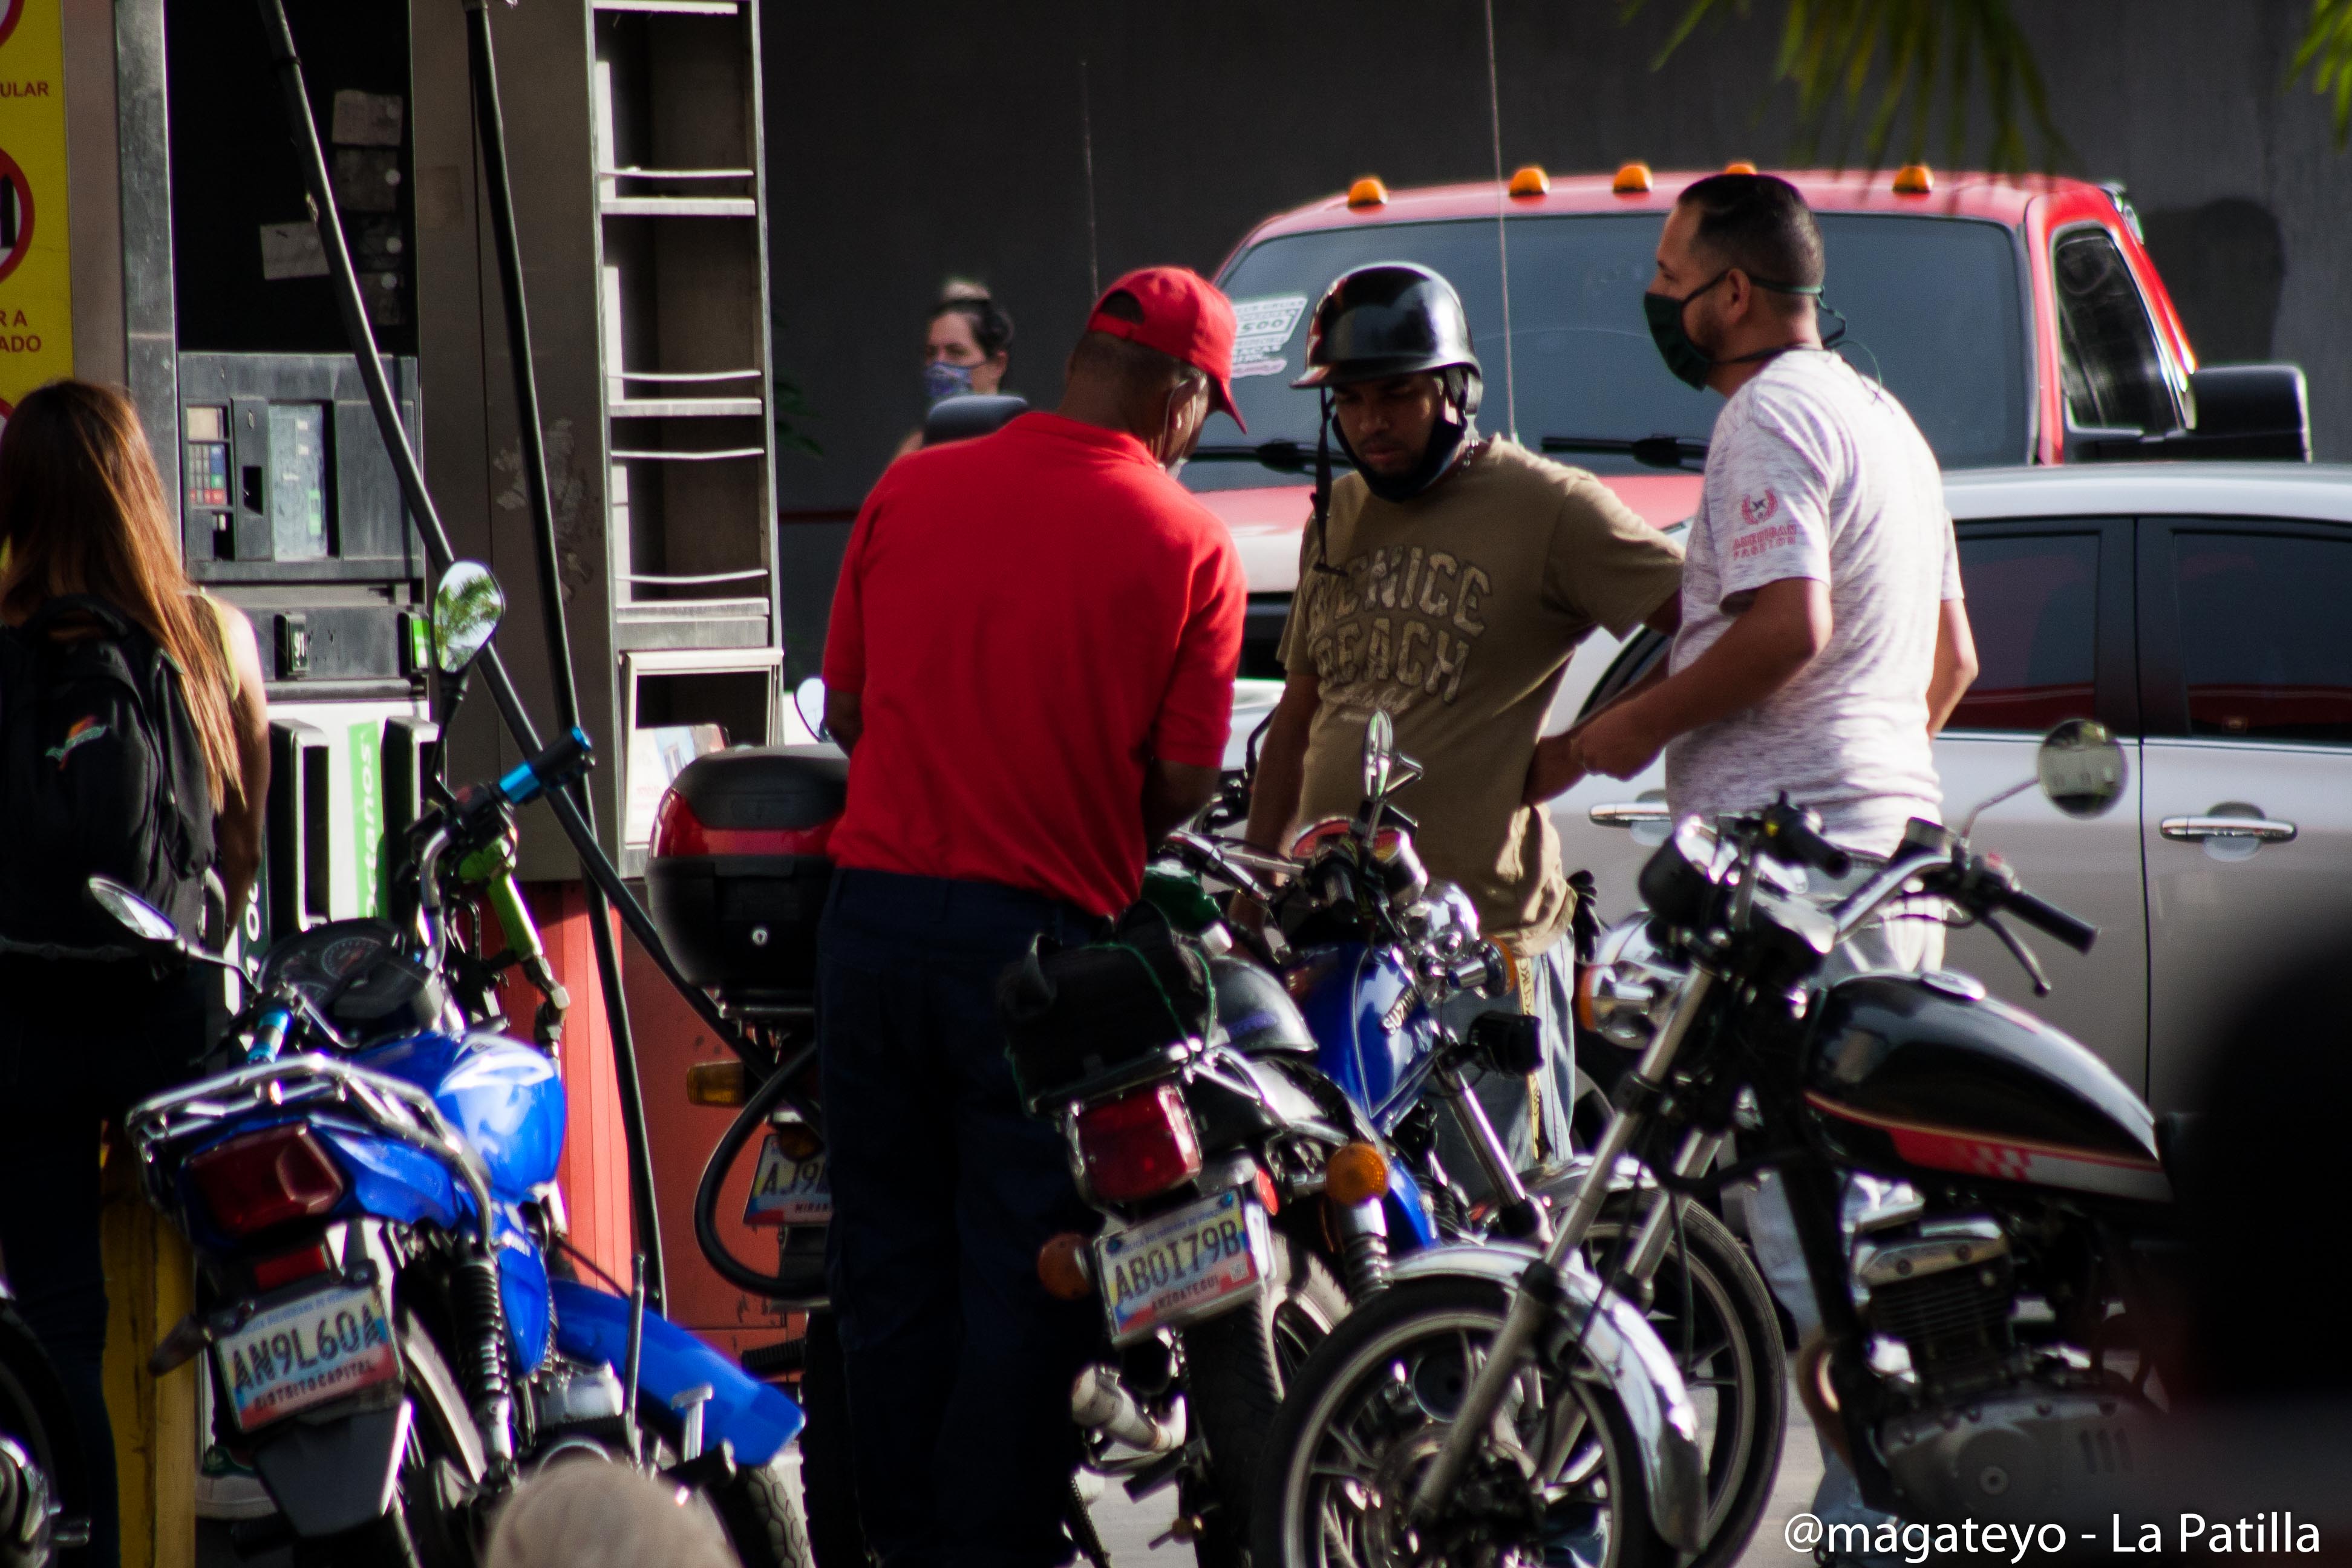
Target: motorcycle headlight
1625, 993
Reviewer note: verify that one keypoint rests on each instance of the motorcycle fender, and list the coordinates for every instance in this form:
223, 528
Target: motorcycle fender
1628, 1353
593, 1325
337, 1475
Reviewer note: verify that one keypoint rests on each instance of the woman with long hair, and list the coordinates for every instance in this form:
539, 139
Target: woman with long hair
82, 514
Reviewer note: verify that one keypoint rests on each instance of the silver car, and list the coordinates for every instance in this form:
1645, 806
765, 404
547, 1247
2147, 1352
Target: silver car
2204, 612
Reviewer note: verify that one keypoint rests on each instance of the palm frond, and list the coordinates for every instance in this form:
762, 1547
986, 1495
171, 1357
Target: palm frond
1926, 58
2325, 53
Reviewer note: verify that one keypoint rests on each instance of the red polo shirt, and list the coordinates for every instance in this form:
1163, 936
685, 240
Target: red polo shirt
1027, 617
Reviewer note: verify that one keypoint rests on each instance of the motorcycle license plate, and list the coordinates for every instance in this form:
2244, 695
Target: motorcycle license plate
1199, 1260
788, 1192
307, 1352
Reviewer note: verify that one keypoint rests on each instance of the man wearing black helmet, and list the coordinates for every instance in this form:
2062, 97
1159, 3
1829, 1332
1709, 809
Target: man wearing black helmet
1446, 581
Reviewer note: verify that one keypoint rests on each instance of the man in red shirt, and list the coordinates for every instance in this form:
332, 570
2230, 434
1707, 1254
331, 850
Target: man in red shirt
1031, 664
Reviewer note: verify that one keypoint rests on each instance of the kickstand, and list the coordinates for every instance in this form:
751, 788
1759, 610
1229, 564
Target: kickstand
1083, 1533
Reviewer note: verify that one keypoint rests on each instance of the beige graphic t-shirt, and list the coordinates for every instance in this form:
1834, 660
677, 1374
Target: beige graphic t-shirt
1457, 611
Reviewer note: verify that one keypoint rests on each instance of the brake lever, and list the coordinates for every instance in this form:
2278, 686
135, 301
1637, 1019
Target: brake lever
2018, 951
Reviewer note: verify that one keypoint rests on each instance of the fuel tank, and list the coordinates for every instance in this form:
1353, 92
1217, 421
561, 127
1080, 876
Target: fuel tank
1373, 1036
503, 1098
1925, 1076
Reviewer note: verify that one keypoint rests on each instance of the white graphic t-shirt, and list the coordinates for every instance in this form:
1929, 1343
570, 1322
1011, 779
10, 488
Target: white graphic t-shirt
1816, 472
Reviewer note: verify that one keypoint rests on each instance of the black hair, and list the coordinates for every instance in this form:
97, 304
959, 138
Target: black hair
1758, 224
1137, 366
991, 324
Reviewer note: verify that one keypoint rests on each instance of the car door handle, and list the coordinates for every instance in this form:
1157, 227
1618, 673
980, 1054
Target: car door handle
2198, 829
1629, 813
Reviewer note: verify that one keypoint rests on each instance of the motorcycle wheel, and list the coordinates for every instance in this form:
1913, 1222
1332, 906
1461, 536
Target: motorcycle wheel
1712, 1309
429, 1526
34, 1411
1365, 1415
1236, 1368
761, 1511
828, 1481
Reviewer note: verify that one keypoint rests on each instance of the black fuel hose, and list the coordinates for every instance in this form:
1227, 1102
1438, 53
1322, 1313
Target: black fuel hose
763, 1100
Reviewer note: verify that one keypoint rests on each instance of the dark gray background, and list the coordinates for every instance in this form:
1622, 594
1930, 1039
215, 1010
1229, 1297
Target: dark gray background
908, 144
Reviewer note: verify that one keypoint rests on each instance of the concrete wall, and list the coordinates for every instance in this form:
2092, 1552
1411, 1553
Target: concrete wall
910, 142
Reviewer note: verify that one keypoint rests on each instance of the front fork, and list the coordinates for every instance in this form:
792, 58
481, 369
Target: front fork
1539, 1287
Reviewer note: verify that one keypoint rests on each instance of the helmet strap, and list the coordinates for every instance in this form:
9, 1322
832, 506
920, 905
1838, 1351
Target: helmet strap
1323, 488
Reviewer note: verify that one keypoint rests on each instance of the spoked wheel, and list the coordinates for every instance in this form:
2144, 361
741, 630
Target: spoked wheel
1237, 1368
1713, 1312
1560, 1483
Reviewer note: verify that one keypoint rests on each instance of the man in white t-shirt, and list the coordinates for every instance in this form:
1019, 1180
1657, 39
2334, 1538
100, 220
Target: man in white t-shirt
1823, 638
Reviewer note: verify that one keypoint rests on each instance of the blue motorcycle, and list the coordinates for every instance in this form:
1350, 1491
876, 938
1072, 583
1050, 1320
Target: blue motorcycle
384, 1308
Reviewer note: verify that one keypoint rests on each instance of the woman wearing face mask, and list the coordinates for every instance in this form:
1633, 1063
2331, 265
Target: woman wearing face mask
966, 351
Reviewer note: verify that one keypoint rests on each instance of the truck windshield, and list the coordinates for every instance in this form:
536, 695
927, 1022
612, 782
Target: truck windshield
1933, 304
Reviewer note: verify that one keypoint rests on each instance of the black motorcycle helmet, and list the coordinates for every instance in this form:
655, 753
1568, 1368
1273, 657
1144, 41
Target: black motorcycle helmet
1395, 317
1256, 1013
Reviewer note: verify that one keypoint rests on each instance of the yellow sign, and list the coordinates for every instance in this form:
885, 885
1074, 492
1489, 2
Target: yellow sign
35, 259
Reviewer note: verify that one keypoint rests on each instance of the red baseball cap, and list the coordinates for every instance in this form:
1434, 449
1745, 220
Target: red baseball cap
1186, 317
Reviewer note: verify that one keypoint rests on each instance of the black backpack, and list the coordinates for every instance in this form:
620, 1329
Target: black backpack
102, 773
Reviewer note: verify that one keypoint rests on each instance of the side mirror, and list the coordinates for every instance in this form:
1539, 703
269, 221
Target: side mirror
467, 606
808, 701
1380, 753
2081, 768
133, 913
2248, 411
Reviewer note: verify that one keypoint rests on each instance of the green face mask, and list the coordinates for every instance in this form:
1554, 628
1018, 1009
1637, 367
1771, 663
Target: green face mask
1689, 362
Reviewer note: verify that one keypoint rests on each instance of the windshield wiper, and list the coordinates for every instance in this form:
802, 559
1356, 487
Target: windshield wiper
1282, 456
1650, 451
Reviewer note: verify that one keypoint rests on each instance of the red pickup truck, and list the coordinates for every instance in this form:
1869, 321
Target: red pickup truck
2020, 321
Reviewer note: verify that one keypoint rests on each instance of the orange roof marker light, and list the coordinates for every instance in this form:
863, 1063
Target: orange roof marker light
1530, 181
1740, 166
1633, 179
1367, 192
1914, 180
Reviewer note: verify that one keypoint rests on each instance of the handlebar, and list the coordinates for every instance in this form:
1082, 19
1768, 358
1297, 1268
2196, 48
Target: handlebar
2052, 921
1787, 834
557, 765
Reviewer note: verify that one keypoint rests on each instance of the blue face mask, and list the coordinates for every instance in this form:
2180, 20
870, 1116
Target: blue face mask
942, 380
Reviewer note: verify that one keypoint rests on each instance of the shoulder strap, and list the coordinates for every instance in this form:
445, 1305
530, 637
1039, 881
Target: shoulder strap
115, 623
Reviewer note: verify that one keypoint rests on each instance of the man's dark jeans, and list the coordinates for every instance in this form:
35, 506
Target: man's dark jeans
959, 1363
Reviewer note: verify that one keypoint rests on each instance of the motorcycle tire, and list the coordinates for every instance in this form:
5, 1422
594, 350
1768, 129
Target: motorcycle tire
1236, 1368
34, 1411
828, 1476
1711, 1307
761, 1511
418, 1532
1384, 1377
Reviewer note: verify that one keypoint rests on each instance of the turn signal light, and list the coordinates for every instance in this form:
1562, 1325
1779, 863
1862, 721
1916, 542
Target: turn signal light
717, 1083
1633, 179
1139, 1146
1914, 180
1065, 1269
266, 1179
1356, 1172
797, 1140
1530, 181
1367, 192
1740, 166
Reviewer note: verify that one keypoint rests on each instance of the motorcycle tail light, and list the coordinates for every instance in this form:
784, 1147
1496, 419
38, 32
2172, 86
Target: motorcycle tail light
1139, 1146
266, 1179
303, 1263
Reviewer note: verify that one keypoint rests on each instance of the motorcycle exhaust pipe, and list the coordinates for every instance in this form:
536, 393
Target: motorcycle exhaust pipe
1101, 1403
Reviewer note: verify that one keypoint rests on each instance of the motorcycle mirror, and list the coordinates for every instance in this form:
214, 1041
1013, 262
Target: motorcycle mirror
2081, 768
808, 699
133, 913
1380, 753
468, 605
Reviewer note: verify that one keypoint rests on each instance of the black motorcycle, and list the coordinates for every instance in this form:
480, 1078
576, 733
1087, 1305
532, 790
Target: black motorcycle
1990, 1349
